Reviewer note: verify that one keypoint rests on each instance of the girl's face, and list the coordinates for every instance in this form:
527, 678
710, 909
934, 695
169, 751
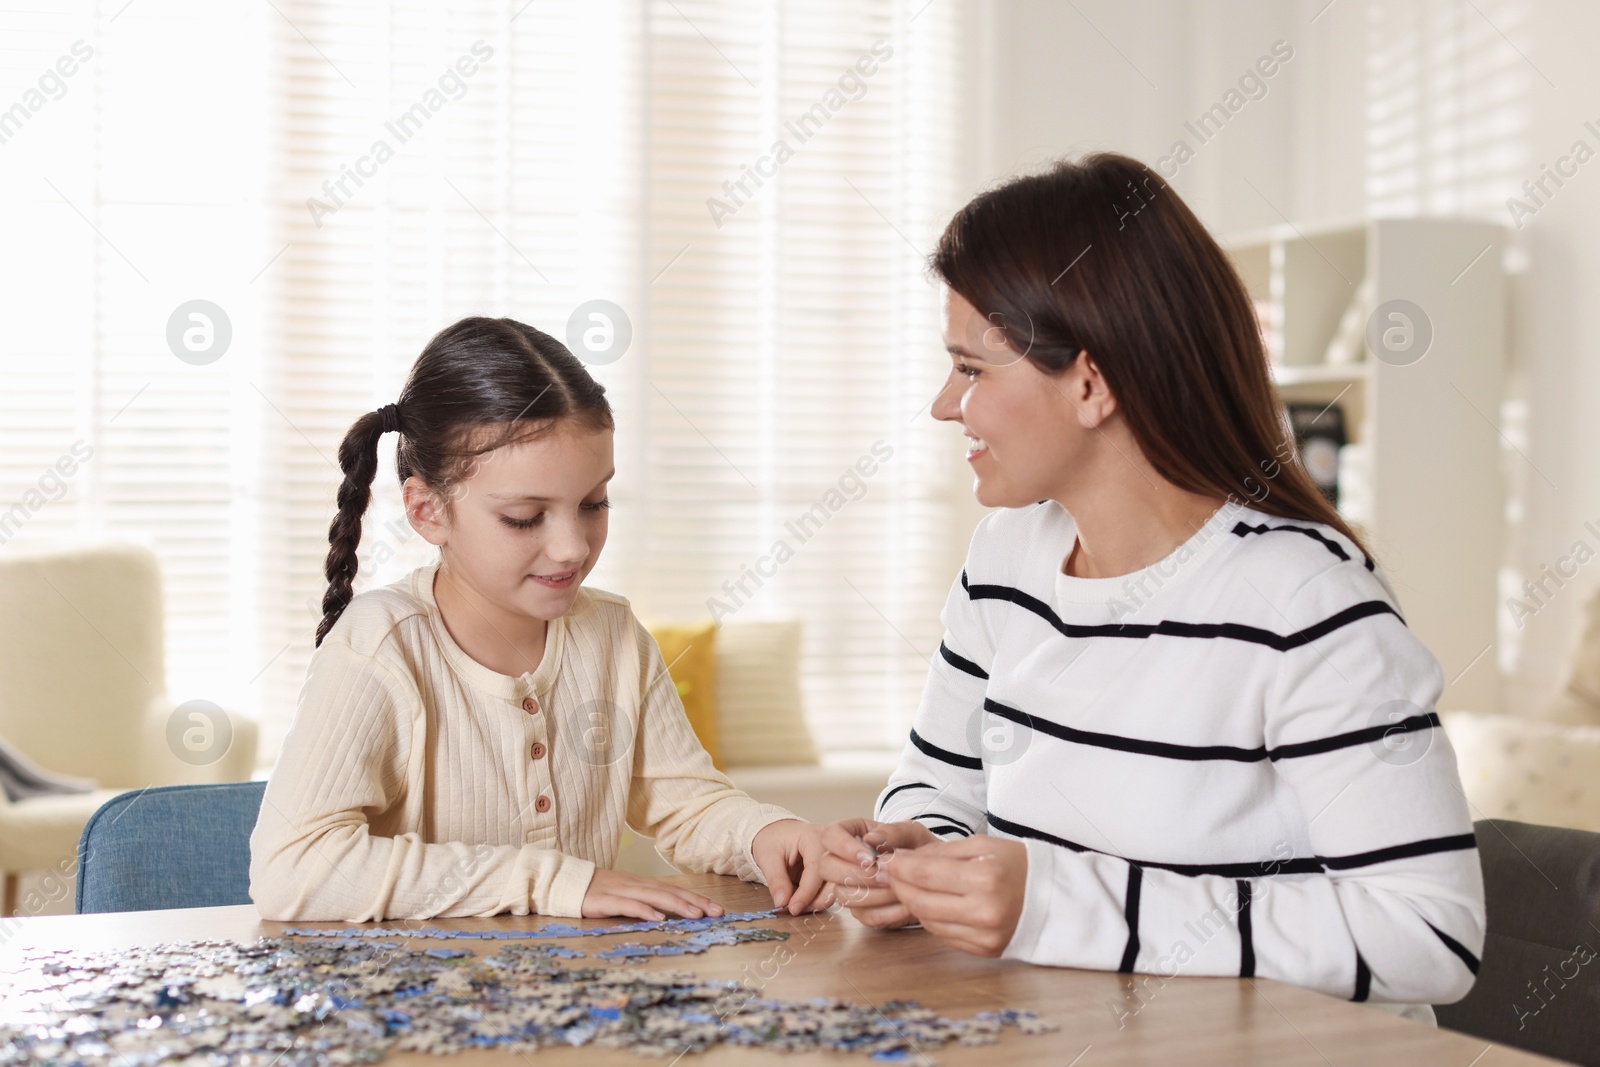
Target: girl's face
527, 524
1025, 434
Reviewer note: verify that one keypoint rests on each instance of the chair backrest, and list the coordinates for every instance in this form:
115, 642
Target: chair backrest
81, 656
171, 846
1538, 985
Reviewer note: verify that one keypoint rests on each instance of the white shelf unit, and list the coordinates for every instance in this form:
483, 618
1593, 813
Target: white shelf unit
1424, 477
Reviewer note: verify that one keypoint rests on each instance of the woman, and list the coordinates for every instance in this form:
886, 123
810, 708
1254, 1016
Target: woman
1177, 724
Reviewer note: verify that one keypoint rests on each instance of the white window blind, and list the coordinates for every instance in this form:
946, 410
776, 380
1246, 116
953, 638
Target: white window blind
1448, 107
345, 179
130, 164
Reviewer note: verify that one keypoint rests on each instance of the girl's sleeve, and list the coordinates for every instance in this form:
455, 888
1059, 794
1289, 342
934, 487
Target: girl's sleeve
699, 819
939, 780
1384, 903
349, 754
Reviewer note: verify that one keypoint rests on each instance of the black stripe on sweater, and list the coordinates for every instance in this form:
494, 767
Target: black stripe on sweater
904, 785
942, 830
1257, 869
928, 748
961, 663
1244, 530
1167, 750
1363, 978
1406, 851
1130, 954
946, 818
1126, 744
1232, 631
1365, 736
1247, 942
1457, 947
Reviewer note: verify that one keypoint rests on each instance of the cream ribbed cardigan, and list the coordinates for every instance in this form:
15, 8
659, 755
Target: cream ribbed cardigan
415, 782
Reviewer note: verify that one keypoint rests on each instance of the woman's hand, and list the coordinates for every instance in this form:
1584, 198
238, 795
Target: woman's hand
620, 893
849, 864
788, 852
968, 893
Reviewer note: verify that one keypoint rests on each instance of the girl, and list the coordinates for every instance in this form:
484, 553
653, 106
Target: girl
471, 739
1177, 723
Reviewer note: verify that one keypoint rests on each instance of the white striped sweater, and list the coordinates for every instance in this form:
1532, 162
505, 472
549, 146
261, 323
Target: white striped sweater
1228, 763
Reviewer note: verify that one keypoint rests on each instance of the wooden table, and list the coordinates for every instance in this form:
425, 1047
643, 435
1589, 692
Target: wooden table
1105, 1018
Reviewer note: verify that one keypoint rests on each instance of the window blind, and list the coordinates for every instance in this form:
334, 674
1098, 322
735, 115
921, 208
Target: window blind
369, 173
130, 162
1447, 107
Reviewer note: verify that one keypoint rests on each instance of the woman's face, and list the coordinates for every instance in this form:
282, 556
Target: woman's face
1025, 436
527, 524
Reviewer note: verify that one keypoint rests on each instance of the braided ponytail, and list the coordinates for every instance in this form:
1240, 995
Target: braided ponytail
478, 374
358, 458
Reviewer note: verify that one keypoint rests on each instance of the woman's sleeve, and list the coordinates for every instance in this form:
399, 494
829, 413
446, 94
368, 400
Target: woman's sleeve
1385, 904
939, 780
349, 754
699, 819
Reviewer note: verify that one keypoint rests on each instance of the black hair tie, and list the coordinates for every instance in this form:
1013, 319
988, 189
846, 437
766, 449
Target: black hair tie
391, 417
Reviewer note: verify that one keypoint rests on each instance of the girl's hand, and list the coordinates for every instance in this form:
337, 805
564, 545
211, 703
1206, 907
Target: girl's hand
968, 892
860, 878
788, 852
618, 893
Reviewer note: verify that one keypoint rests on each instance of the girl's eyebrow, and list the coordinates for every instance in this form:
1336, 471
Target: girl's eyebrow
545, 499
958, 350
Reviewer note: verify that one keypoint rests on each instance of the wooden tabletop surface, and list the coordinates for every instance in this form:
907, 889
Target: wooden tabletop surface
1104, 1018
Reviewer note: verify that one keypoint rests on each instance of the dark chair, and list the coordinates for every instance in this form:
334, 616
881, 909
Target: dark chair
172, 846
1538, 987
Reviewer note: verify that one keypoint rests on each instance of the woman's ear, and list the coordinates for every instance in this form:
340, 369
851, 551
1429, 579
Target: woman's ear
1086, 387
425, 511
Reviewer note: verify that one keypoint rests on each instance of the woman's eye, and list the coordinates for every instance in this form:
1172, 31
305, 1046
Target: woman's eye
522, 524
970, 372
600, 505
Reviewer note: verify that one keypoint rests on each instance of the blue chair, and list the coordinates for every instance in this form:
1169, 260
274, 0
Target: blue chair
171, 846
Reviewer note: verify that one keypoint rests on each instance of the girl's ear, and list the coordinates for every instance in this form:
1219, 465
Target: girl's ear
425, 511
1089, 392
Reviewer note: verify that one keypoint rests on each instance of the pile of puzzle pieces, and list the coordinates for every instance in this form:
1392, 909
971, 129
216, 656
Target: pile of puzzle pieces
321, 997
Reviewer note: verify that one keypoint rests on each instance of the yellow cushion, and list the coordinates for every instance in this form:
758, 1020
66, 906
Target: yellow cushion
689, 651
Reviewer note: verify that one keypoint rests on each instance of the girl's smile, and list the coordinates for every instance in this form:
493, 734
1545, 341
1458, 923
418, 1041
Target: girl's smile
522, 533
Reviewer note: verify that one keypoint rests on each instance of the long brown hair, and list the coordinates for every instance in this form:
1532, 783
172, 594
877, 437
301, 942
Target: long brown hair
478, 385
1100, 255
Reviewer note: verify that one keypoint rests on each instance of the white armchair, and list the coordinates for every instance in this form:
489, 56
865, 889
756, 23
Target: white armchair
83, 693
1541, 768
